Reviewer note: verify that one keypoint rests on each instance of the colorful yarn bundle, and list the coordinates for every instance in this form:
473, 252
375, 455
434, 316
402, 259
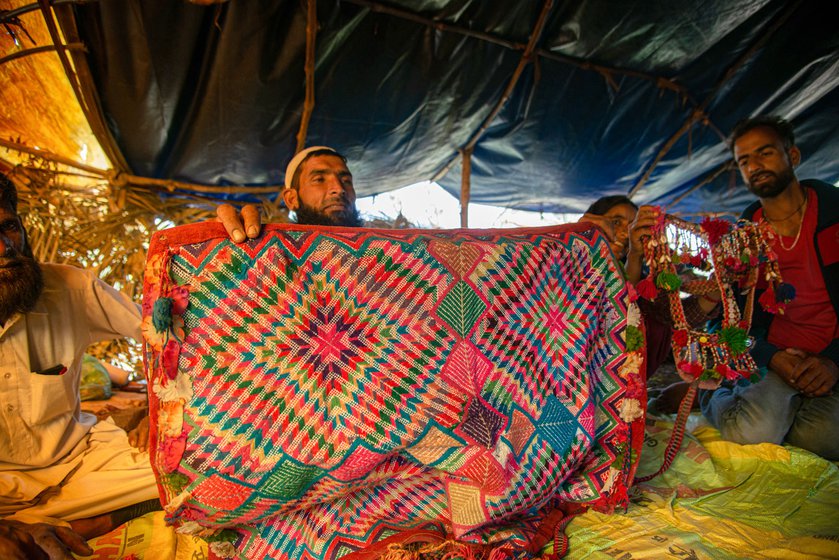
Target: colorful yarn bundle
735, 255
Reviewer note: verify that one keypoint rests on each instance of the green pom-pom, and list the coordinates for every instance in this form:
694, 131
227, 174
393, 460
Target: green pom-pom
745, 256
225, 535
619, 461
176, 482
735, 338
668, 281
634, 338
709, 375
161, 316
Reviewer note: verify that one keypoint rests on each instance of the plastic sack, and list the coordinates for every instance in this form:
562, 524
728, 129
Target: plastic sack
95, 382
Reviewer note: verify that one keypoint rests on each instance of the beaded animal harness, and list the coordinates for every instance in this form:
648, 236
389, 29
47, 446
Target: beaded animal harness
735, 254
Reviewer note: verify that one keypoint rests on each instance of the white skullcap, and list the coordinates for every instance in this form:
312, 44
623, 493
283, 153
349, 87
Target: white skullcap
298, 159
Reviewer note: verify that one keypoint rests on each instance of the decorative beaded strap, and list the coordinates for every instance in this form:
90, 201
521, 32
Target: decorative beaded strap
734, 255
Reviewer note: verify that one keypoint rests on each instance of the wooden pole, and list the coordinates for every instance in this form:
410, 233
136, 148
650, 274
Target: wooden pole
698, 112
124, 179
526, 58
38, 50
465, 186
309, 102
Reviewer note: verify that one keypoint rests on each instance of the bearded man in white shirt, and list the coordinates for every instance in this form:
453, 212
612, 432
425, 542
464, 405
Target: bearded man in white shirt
63, 476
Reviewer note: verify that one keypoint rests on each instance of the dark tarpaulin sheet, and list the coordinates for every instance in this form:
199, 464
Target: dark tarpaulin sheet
214, 95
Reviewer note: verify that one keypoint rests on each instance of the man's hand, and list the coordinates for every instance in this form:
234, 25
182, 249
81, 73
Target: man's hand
39, 541
815, 375
811, 374
139, 436
237, 225
640, 229
784, 363
602, 221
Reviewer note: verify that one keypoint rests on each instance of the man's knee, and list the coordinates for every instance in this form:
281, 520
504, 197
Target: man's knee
745, 423
739, 430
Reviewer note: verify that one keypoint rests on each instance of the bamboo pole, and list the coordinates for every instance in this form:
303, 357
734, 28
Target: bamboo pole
52, 28
169, 185
66, 22
39, 50
125, 179
376, 7
49, 156
710, 177
606, 71
9, 15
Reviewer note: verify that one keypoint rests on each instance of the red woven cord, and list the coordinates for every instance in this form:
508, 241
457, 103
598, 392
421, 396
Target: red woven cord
678, 433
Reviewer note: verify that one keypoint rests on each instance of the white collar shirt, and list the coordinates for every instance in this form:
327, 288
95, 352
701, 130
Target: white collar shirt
40, 417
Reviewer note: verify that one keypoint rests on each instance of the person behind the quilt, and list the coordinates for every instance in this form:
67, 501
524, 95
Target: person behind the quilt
630, 225
318, 190
63, 476
613, 214
797, 401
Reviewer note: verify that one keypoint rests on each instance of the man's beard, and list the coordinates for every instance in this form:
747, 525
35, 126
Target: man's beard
20, 286
774, 186
306, 215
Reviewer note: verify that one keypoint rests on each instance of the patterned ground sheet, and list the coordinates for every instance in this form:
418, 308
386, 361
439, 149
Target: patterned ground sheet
318, 391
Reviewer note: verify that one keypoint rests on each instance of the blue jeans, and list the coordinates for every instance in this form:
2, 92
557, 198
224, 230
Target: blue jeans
772, 411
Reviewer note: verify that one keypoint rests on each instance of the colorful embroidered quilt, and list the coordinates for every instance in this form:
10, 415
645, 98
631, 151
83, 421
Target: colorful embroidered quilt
320, 391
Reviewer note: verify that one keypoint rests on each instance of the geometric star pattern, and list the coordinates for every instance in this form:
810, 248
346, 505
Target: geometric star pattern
343, 386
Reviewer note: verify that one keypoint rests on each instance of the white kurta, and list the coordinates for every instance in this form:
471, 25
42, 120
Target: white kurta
53, 462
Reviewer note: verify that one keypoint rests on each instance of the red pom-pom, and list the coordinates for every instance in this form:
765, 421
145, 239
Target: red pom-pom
646, 288
727, 372
180, 300
692, 369
169, 358
631, 293
680, 337
768, 301
715, 229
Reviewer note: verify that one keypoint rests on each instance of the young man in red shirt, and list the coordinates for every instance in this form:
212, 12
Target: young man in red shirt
797, 402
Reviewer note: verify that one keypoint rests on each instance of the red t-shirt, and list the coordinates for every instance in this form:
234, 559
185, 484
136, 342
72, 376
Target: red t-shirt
809, 321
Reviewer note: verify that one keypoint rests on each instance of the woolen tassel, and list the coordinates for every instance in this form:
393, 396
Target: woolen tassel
735, 338
634, 338
668, 281
768, 300
785, 293
161, 316
694, 370
646, 289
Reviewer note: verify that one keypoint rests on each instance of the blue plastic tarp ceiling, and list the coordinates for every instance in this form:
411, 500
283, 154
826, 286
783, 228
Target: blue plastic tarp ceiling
214, 94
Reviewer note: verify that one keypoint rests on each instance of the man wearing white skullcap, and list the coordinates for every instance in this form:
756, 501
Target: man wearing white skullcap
318, 190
